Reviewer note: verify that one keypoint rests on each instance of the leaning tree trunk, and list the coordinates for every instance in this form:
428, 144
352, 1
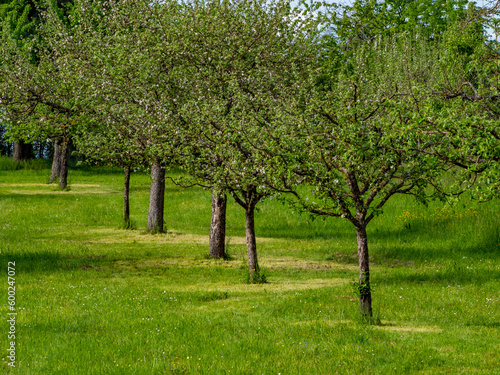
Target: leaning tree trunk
56, 161
156, 198
63, 165
126, 191
253, 266
365, 295
218, 225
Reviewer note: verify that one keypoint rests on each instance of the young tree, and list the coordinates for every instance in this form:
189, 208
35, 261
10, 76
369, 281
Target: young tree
235, 52
120, 56
100, 144
352, 133
346, 145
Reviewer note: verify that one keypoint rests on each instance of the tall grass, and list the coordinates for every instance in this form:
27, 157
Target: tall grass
7, 164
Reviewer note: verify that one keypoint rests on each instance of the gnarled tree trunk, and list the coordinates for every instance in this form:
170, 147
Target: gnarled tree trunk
253, 266
63, 168
365, 295
156, 198
217, 237
126, 193
56, 161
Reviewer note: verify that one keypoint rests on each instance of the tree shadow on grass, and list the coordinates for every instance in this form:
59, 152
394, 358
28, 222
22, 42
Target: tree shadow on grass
302, 227
450, 274
51, 262
93, 170
24, 197
399, 254
481, 323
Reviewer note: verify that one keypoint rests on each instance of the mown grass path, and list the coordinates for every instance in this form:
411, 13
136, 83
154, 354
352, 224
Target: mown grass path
95, 299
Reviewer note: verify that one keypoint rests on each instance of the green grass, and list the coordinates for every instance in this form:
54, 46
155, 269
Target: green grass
96, 299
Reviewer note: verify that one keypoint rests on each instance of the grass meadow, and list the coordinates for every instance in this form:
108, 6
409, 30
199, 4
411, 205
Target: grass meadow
92, 298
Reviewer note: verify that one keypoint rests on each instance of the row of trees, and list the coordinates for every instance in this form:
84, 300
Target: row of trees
333, 111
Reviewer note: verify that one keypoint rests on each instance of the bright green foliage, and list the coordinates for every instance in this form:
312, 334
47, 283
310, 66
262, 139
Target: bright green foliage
240, 56
34, 97
463, 111
127, 84
356, 143
19, 20
365, 19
